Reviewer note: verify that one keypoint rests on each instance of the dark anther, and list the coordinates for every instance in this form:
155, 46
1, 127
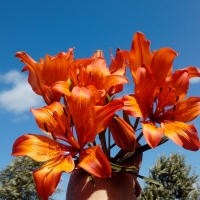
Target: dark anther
155, 98
45, 127
172, 118
160, 89
170, 89
174, 108
177, 98
52, 134
64, 109
71, 121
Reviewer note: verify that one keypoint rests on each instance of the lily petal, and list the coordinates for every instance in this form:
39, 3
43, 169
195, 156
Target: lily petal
113, 80
47, 123
35, 72
134, 107
182, 134
140, 53
193, 71
173, 89
145, 84
62, 87
123, 134
118, 65
94, 161
48, 176
161, 64
81, 103
151, 133
38, 147
56, 68
103, 116
184, 111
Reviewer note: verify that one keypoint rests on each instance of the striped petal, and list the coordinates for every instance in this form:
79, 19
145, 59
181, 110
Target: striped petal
94, 161
140, 53
56, 68
113, 80
48, 176
38, 147
47, 123
35, 72
62, 87
123, 134
152, 133
184, 111
161, 64
182, 134
103, 116
81, 103
174, 88
134, 107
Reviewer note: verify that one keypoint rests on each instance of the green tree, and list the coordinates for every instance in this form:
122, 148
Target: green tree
16, 180
176, 177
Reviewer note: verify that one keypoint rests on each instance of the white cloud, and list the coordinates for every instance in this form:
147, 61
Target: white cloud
17, 97
195, 80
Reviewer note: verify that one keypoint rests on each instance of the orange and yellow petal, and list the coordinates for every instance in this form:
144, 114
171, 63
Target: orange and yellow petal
184, 111
123, 134
118, 65
134, 107
140, 52
97, 72
182, 134
47, 123
61, 87
152, 133
173, 89
192, 71
94, 161
35, 72
161, 64
48, 176
56, 68
38, 147
81, 102
145, 85
113, 80
103, 116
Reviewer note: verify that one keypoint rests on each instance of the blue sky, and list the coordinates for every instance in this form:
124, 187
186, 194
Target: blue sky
40, 28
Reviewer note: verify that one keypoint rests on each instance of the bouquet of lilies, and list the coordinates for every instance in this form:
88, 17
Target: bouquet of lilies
80, 120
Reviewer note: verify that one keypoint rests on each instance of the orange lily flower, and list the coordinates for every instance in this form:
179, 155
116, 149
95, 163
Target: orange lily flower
94, 75
55, 120
159, 95
43, 74
91, 82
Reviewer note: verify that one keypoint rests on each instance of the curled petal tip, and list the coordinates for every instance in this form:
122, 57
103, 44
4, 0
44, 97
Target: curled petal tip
20, 53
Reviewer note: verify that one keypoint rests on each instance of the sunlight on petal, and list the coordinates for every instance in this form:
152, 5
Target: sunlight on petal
182, 134
94, 161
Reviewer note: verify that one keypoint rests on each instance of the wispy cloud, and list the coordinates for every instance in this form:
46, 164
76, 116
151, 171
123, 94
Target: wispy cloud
16, 94
195, 80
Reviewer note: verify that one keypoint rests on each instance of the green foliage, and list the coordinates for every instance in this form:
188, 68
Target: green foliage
175, 176
16, 180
